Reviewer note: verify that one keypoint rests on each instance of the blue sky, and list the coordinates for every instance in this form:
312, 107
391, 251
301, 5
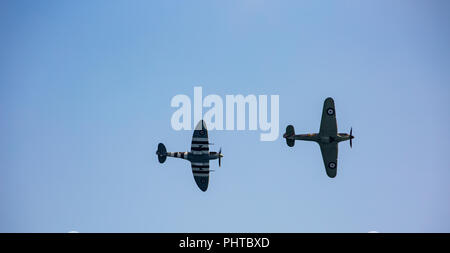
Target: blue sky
85, 90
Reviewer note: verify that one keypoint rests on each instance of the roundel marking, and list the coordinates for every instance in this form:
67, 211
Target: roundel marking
332, 165
202, 132
330, 111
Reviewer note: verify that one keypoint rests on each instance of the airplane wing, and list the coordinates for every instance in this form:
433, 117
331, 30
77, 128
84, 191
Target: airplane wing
328, 125
200, 145
201, 174
329, 155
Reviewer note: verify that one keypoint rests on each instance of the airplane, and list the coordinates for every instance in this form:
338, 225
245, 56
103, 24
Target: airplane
199, 155
327, 138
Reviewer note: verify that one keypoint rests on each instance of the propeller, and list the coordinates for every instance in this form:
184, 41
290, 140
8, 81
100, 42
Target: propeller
351, 137
220, 156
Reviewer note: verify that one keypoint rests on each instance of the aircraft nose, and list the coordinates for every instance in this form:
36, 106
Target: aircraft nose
221, 155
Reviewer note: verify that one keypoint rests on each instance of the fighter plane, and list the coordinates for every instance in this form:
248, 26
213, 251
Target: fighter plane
199, 155
327, 138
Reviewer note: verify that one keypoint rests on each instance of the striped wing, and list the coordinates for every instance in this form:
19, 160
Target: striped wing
200, 150
200, 145
201, 174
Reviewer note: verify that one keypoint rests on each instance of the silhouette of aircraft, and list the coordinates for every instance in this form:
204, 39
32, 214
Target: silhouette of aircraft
199, 155
327, 138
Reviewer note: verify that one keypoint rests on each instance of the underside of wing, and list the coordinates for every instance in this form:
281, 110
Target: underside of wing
201, 174
329, 155
200, 144
328, 125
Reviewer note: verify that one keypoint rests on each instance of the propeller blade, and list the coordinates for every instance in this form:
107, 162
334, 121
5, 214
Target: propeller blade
351, 137
220, 156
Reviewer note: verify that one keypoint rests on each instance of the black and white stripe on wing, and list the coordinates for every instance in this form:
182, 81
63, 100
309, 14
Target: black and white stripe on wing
200, 143
200, 147
200, 170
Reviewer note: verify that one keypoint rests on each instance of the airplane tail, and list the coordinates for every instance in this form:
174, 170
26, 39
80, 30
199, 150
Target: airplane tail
162, 153
290, 132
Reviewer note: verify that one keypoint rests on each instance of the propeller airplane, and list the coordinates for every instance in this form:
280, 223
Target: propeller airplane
199, 156
327, 138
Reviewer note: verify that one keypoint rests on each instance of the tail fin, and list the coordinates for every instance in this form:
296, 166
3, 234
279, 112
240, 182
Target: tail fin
290, 132
162, 153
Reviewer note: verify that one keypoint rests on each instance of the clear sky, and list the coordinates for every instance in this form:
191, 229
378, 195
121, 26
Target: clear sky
85, 90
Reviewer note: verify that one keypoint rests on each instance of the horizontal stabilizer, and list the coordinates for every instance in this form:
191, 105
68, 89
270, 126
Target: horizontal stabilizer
162, 153
289, 135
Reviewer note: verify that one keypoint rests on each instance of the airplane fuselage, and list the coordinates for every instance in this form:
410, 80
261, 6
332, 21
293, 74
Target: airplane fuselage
192, 157
321, 138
